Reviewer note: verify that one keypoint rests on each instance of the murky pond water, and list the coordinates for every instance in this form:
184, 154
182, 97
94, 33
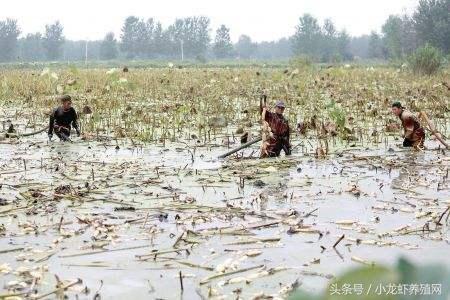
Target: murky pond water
127, 221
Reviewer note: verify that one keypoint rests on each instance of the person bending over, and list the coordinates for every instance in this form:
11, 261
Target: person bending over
62, 119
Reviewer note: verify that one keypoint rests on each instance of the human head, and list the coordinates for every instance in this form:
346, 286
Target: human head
397, 108
66, 101
279, 107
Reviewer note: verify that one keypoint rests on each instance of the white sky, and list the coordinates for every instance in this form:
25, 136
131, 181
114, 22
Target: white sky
261, 19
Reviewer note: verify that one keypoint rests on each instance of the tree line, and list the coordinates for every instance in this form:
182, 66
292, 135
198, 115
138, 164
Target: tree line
190, 38
402, 34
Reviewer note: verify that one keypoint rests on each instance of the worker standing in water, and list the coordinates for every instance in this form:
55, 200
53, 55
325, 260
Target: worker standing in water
62, 119
275, 131
414, 133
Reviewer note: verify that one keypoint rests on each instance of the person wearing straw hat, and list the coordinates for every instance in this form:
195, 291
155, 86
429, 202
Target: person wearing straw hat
278, 138
414, 133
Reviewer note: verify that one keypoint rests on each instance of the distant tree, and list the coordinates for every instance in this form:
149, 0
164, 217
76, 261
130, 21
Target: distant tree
191, 34
359, 46
108, 47
280, 49
9, 32
129, 37
94, 48
245, 48
197, 33
343, 43
329, 45
175, 37
53, 41
144, 38
160, 44
223, 48
307, 36
376, 47
408, 37
399, 36
141, 38
76, 50
148, 38
31, 47
329, 29
392, 32
432, 23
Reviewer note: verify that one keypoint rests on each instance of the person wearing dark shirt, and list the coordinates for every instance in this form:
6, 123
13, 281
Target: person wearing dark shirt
414, 133
279, 127
62, 119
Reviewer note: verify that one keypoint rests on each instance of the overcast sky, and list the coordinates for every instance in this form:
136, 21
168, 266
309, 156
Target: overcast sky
261, 19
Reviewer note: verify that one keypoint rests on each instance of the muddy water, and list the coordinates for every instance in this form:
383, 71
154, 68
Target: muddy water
364, 193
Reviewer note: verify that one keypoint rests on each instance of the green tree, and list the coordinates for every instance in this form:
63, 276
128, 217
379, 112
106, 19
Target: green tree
190, 34
148, 32
144, 38
9, 32
160, 42
130, 37
376, 47
31, 47
53, 41
408, 37
283, 48
343, 45
223, 48
329, 45
108, 47
307, 36
141, 38
359, 46
245, 48
197, 34
392, 31
174, 38
432, 23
